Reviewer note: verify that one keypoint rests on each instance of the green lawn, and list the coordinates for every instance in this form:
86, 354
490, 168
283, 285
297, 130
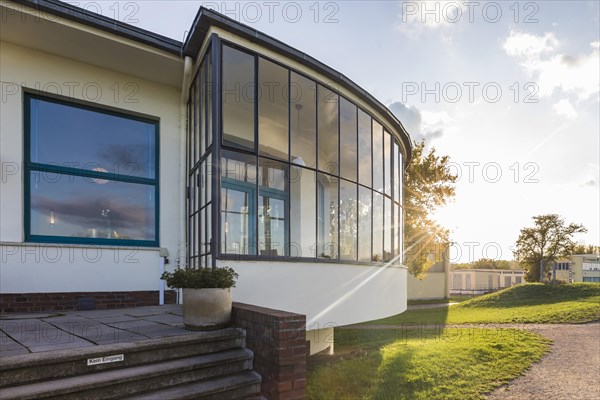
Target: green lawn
527, 303
422, 364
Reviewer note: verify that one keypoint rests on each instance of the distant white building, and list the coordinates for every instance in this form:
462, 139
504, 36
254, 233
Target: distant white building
578, 268
477, 281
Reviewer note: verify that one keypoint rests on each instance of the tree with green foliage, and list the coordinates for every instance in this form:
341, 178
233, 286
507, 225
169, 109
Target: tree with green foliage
429, 184
583, 249
548, 240
486, 263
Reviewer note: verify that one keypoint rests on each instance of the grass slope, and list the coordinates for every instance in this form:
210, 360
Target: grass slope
422, 364
527, 303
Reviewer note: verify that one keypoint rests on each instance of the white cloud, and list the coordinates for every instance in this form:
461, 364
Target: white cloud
421, 124
417, 17
552, 70
565, 109
525, 44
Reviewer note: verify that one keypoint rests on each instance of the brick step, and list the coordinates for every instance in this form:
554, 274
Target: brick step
239, 386
194, 371
38, 367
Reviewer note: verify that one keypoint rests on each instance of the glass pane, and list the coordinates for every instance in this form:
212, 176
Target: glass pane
72, 206
328, 130
208, 184
303, 120
191, 236
189, 132
192, 122
202, 183
303, 212
238, 98
208, 90
399, 237
387, 238
396, 173
238, 228
327, 217
348, 139
238, 167
202, 108
400, 174
348, 220
387, 160
377, 157
199, 117
76, 137
197, 235
396, 228
273, 109
238, 203
201, 231
377, 227
208, 230
364, 224
364, 148
272, 208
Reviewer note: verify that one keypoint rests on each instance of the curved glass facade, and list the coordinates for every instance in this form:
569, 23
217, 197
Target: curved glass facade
305, 173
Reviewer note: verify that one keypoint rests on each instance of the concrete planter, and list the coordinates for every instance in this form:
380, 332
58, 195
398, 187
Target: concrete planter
206, 309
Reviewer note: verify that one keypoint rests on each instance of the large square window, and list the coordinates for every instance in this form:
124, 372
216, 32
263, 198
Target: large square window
92, 175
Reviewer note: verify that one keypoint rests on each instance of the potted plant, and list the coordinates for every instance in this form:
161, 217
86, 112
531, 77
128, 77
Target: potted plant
206, 295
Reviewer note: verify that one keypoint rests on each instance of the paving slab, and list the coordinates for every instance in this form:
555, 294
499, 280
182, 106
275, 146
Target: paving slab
168, 319
39, 332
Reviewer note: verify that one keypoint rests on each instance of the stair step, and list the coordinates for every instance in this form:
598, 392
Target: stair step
37, 367
127, 381
238, 386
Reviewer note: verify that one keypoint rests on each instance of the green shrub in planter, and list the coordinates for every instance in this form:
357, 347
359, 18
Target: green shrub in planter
201, 278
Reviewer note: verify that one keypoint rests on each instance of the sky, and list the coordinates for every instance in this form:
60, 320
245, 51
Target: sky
508, 90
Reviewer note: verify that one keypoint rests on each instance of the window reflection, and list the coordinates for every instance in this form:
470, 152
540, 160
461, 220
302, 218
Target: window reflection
272, 208
364, 148
377, 156
378, 227
348, 140
303, 212
238, 203
327, 218
364, 224
303, 121
387, 235
238, 98
387, 162
74, 206
273, 109
76, 137
348, 220
328, 130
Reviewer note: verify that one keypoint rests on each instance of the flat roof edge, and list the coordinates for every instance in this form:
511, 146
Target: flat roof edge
88, 18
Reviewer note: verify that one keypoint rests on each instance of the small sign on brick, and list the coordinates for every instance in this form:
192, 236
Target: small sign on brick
105, 359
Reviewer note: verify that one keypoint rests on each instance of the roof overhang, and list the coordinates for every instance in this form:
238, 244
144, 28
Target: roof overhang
58, 28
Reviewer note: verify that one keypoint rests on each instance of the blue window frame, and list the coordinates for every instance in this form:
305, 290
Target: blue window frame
91, 175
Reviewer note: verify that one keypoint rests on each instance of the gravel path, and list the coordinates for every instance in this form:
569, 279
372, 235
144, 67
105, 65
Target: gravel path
571, 371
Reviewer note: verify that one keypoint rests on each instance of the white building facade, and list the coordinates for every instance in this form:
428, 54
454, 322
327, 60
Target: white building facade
122, 149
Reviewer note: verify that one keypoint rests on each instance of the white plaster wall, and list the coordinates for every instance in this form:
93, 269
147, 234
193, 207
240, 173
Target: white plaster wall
52, 268
21, 67
328, 294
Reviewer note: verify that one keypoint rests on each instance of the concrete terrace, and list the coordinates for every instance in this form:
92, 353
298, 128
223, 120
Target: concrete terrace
51, 331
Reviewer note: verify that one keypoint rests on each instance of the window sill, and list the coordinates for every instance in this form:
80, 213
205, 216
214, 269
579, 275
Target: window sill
80, 246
